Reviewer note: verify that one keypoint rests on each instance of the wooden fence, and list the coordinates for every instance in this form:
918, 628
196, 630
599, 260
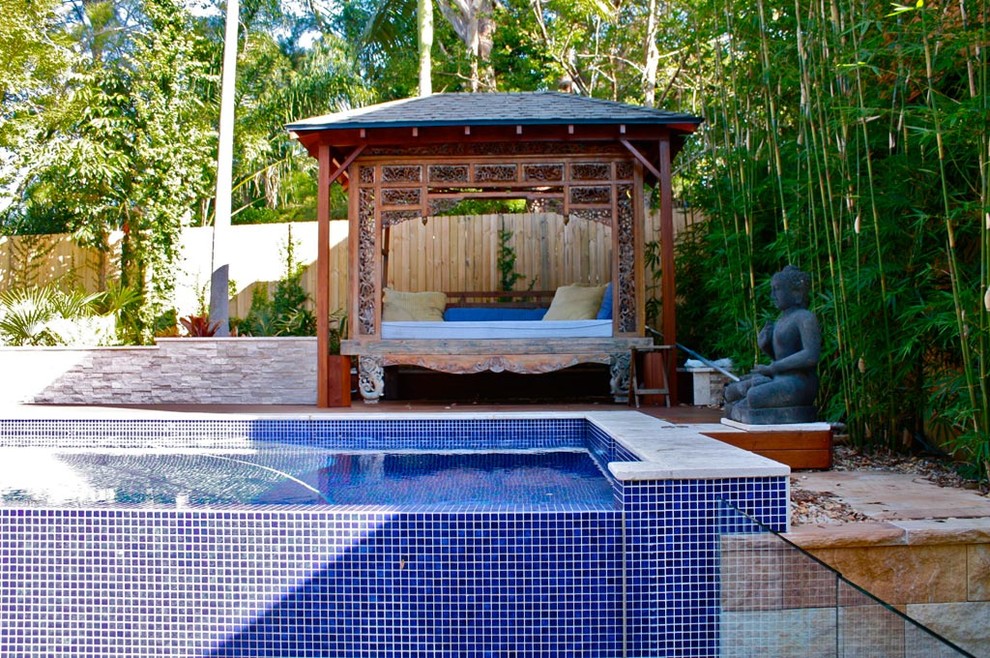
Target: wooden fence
445, 253
461, 253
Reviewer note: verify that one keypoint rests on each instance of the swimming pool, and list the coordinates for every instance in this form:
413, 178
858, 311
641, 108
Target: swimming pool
276, 475
633, 576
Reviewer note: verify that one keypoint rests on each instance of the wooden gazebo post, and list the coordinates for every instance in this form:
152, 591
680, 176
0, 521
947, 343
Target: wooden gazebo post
323, 276
668, 288
325, 178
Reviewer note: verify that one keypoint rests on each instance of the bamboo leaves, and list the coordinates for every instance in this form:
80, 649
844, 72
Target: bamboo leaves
853, 140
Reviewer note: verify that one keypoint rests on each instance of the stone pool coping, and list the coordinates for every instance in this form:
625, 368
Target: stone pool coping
677, 452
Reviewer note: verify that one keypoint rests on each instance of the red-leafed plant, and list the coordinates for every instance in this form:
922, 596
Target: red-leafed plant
199, 326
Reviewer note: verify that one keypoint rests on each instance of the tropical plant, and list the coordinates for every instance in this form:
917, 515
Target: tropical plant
49, 316
127, 144
337, 330
199, 326
851, 139
505, 260
651, 264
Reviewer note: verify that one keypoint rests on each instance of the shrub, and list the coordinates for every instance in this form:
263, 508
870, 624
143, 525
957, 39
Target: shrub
49, 316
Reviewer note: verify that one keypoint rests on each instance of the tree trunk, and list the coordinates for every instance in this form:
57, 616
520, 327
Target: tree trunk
486, 38
474, 25
652, 57
424, 19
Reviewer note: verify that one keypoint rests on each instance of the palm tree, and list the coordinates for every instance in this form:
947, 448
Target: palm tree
220, 280
424, 15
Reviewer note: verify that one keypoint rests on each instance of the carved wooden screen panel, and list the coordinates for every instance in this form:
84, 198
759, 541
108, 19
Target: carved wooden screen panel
367, 288
594, 187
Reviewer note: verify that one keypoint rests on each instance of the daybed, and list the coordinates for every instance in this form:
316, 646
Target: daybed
422, 329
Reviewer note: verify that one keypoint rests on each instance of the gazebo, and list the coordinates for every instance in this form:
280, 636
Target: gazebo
585, 158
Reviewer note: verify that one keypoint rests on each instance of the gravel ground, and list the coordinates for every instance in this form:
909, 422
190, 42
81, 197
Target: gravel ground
822, 508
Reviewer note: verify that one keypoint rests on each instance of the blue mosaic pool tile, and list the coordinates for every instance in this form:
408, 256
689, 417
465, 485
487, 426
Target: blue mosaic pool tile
672, 547
394, 434
283, 583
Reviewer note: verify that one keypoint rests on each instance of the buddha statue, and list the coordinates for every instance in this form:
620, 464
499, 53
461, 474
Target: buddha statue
783, 391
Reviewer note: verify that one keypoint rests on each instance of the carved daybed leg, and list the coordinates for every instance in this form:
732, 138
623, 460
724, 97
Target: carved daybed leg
619, 371
371, 378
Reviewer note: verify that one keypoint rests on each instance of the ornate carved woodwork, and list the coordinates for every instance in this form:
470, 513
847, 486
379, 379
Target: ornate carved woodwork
394, 192
400, 169
367, 286
548, 173
619, 375
371, 378
371, 366
402, 197
591, 196
524, 364
542, 150
402, 174
583, 171
496, 173
448, 173
625, 287
584, 182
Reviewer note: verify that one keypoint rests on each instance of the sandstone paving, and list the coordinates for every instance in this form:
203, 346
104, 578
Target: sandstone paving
895, 496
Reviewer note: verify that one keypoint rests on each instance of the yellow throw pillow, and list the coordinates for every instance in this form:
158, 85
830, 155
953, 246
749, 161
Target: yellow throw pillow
575, 302
398, 306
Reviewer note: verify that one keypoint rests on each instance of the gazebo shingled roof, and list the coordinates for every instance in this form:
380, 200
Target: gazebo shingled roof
518, 116
527, 109
652, 138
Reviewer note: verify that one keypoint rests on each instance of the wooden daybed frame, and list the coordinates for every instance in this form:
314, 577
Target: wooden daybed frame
585, 159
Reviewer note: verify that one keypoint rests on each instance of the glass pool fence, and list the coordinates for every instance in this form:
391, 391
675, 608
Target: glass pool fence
778, 600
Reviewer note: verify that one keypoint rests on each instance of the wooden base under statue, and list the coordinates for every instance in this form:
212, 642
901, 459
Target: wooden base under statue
799, 445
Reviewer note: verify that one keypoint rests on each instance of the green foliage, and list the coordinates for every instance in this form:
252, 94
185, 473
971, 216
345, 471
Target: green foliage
651, 263
485, 207
852, 142
50, 316
125, 140
275, 178
338, 330
256, 215
848, 138
127, 143
506, 261
28, 59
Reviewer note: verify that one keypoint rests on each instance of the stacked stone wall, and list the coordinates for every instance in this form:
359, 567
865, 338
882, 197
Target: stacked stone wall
258, 371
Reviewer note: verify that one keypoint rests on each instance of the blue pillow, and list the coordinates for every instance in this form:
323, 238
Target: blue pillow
605, 310
491, 314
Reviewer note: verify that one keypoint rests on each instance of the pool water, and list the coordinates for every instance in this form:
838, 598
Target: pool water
540, 479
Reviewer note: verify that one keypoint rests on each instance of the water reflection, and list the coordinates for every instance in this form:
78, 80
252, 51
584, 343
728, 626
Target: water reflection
297, 476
